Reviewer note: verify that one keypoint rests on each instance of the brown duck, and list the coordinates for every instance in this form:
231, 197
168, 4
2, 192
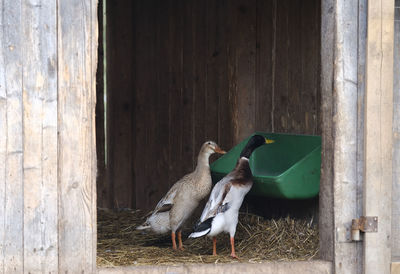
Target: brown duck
173, 210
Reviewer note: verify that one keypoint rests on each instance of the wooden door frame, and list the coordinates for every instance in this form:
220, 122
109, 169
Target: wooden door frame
357, 107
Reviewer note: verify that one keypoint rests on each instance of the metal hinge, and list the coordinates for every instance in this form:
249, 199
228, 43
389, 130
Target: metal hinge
363, 224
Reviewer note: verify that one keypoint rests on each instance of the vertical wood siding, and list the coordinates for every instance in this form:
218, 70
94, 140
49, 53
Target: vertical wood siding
40, 136
326, 221
378, 134
77, 63
12, 188
396, 139
204, 70
47, 141
346, 115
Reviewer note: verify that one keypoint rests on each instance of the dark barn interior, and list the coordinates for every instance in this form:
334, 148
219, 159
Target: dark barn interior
181, 72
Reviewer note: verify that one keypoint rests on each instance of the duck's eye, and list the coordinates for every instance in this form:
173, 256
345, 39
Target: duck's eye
209, 143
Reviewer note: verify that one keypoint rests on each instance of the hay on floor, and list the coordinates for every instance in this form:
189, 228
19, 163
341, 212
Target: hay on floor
257, 240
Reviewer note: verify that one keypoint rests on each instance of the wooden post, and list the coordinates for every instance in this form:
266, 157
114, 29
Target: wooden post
77, 60
326, 224
378, 134
345, 130
396, 141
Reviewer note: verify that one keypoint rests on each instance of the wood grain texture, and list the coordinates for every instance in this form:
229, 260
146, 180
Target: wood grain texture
200, 51
216, 58
378, 132
347, 259
77, 47
103, 195
120, 76
188, 61
3, 144
40, 137
264, 78
309, 103
243, 61
347, 256
281, 67
175, 87
362, 36
326, 222
296, 52
219, 104
396, 140
11, 191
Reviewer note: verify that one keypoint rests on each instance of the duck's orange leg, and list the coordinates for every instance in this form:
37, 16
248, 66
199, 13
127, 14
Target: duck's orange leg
173, 240
180, 240
233, 254
214, 246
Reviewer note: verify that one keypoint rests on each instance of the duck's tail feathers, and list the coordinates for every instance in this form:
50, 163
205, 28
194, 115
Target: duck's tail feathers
144, 226
199, 234
202, 229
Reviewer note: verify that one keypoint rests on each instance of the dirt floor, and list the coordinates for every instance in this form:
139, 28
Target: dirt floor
257, 240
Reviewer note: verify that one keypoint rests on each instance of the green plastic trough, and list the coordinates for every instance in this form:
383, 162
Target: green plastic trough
289, 168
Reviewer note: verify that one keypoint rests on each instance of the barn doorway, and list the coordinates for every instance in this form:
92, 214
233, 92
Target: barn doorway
178, 73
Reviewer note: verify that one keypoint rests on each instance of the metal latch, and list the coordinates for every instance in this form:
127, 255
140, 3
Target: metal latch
364, 224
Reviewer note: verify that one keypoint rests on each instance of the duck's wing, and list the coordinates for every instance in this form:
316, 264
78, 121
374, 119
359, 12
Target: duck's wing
166, 202
218, 199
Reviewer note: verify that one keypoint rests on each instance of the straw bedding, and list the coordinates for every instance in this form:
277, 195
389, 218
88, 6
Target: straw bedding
256, 240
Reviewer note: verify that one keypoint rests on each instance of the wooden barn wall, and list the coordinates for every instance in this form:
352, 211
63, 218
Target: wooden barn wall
183, 72
47, 137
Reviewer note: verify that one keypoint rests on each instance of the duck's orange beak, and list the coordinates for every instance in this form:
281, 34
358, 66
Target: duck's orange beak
219, 150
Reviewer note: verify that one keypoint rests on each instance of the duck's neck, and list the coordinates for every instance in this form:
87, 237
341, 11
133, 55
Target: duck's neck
202, 162
242, 169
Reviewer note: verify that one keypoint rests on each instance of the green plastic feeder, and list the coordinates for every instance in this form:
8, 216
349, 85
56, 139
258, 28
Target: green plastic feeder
289, 168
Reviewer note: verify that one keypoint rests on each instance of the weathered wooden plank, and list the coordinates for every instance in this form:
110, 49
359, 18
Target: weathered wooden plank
186, 100
92, 242
216, 55
77, 46
281, 67
326, 224
396, 139
161, 130
175, 84
120, 80
317, 43
200, 71
12, 186
264, 83
103, 186
140, 119
165, 102
3, 142
362, 35
40, 137
149, 78
219, 107
242, 57
276, 267
347, 259
309, 101
378, 174
298, 95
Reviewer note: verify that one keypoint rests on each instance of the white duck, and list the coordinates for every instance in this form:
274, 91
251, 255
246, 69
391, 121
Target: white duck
181, 200
222, 209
